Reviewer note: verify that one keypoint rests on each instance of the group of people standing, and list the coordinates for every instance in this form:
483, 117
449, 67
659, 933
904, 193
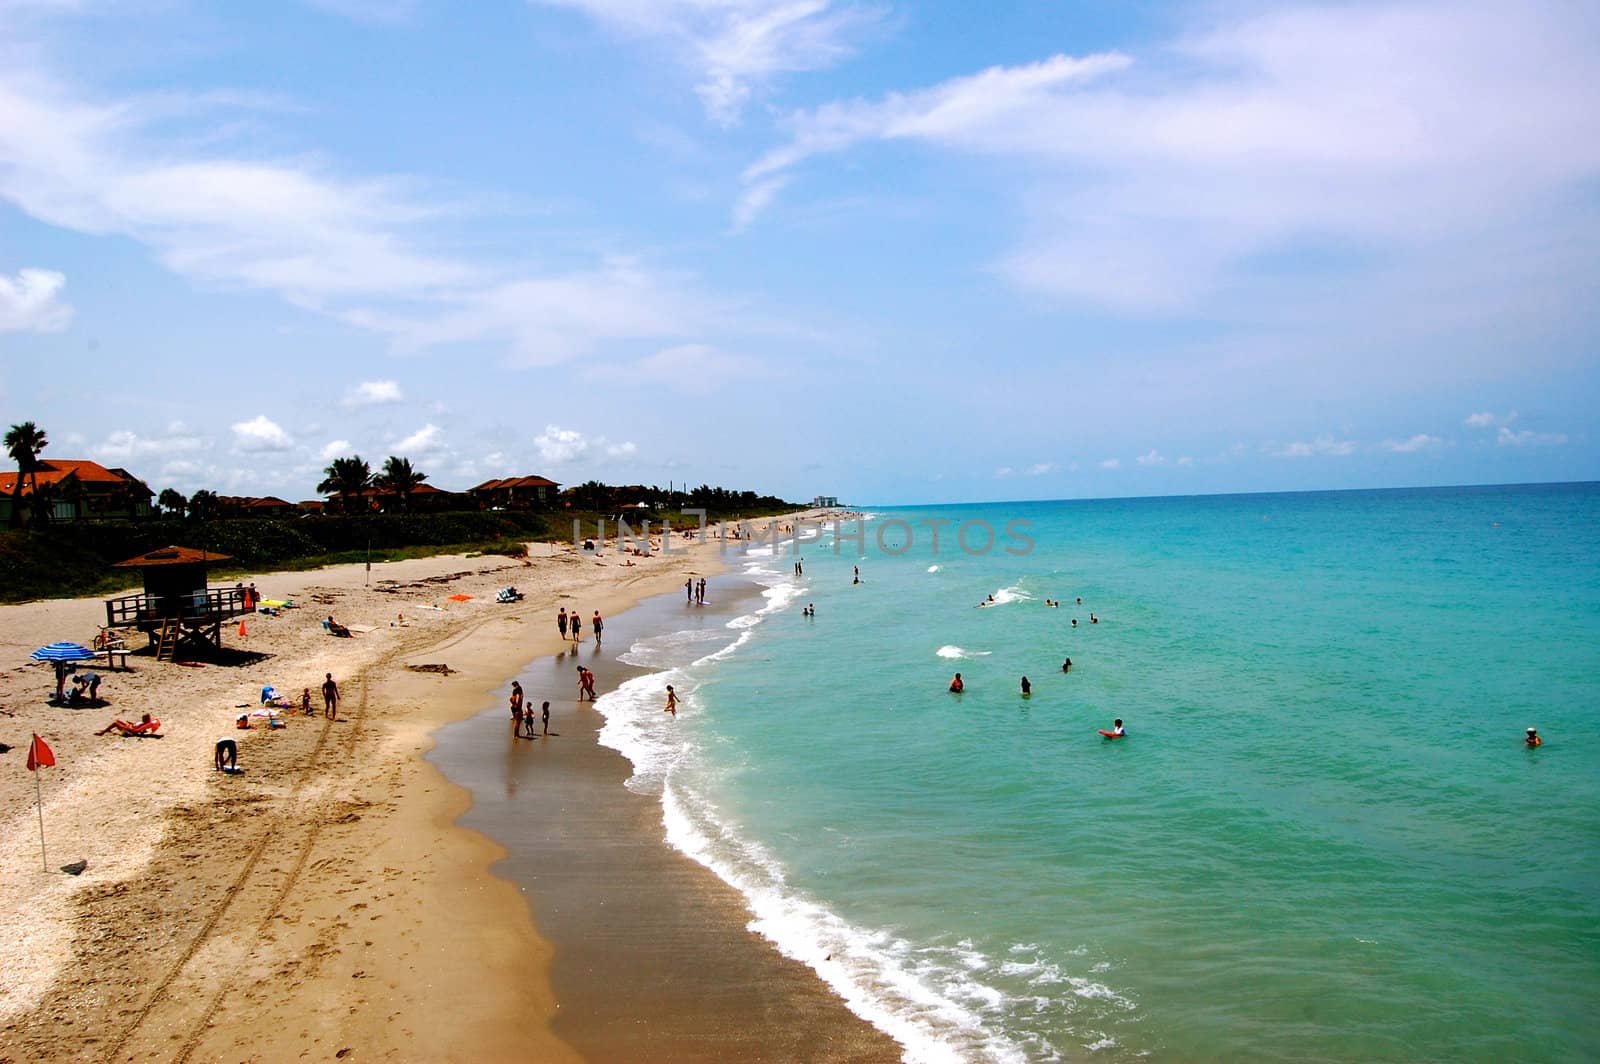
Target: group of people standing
522, 715
694, 592
574, 621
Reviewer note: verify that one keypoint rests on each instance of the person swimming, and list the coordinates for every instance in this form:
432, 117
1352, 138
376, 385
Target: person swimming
1116, 728
1533, 738
1027, 688
956, 686
1066, 666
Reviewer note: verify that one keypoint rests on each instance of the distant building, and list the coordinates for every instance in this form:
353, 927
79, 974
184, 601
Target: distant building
514, 493
252, 506
825, 502
73, 489
422, 499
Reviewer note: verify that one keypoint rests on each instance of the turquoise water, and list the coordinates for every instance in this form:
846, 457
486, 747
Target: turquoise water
1323, 838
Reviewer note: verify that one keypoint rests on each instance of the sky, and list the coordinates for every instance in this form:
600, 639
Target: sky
890, 252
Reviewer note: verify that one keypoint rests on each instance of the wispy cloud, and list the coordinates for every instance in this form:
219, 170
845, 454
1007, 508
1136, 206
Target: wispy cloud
30, 302
736, 47
1153, 458
349, 247
1324, 446
1395, 127
1528, 438
372, 393
429, 439
125, 444
1111, 463
1040, 469
1420, 442
1482, 420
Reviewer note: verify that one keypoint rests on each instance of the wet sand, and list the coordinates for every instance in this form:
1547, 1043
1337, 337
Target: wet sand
652, 958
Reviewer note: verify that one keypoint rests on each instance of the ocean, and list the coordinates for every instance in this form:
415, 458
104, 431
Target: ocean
1322, 838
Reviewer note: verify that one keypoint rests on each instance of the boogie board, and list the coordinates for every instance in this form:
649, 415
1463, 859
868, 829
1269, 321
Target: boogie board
1112, 735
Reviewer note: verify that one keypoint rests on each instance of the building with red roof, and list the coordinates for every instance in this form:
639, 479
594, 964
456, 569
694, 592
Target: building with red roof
72, 489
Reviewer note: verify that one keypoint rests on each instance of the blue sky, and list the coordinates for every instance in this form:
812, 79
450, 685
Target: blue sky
891, 252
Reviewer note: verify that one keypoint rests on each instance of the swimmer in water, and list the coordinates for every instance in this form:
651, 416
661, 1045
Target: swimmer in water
1093, 619
1116, 728
1027, 688
1066, 666
1074, 622
1533, 738
956, 686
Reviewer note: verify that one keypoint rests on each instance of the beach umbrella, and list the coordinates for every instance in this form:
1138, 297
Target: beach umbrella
59, 654
62, 652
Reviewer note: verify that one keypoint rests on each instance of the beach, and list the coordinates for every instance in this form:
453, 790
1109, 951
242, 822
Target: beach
322, 904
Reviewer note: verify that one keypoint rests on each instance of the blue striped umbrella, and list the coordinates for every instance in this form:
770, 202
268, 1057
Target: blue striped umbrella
63, 652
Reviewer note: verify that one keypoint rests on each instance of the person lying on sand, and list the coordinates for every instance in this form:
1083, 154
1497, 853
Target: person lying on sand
146, 727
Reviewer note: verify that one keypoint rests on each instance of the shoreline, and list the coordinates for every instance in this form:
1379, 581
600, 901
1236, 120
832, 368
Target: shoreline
324, 900
654, 956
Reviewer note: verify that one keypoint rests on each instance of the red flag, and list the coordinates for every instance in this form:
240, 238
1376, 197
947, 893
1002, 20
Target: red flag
39, 754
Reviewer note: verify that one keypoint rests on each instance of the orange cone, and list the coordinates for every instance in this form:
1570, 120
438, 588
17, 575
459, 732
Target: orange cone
241, 629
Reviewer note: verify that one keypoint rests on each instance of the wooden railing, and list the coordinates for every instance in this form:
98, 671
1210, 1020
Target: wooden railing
209, 604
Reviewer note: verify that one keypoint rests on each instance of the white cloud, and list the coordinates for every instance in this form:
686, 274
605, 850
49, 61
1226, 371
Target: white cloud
1420, 442
335, 449
260, 434
1186, 461
29, 303
1401, 128
370, 393
158, 170
429, 439
754, 200
1152, 459
557, 445
1039, 469
124, 444
1482, 420
1111, 463
1325, 446
735, 47
1004, 472
1528, 438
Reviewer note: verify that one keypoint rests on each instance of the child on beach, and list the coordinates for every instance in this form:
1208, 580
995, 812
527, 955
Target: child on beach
305, 701
544, 719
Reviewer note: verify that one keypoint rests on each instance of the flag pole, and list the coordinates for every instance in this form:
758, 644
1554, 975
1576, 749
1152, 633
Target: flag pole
39, 800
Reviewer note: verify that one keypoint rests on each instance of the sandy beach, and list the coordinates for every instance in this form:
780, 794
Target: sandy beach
322, 904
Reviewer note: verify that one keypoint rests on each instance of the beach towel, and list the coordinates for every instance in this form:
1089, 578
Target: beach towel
460, 598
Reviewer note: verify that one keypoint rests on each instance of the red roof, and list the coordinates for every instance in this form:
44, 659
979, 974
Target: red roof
171, 556
55, 470
515, 482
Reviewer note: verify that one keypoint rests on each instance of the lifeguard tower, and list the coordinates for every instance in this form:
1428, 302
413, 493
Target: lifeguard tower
176, 607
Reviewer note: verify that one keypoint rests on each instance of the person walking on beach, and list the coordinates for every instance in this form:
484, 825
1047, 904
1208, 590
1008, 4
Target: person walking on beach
561, 623
516, 707
544, 718
672, 701
598, 624
577, 627
330, 698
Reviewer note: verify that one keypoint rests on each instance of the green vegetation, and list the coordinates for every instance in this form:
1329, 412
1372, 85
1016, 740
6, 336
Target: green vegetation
66, 560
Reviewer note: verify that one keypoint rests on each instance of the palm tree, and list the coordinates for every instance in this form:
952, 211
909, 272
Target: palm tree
202, 506
24, 443
172, 501
400, 478
346, 477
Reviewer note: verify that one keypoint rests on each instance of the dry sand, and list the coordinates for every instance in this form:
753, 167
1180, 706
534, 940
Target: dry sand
321, 905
